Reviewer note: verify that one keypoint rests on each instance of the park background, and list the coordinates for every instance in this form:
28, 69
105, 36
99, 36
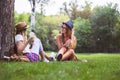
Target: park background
96, 25
97, 28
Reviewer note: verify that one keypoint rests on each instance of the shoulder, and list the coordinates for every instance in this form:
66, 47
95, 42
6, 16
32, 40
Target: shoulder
37, 40
18, 37
59, 36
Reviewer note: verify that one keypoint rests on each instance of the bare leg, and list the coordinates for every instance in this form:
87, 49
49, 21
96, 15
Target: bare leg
42, 55
60, 53
23, 59
47, 57
68, 55
62, 50
75, 58
20, 58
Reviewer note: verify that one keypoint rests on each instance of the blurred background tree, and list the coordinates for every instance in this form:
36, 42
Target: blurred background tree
21, 17
97, 29
104, 20
47, 27
83, 33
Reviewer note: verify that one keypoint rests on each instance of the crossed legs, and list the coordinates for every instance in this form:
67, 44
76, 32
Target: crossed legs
67, 54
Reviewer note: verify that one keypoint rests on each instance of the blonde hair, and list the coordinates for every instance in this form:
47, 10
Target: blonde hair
73, 45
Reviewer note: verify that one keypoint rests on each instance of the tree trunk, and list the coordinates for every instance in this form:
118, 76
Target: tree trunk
6, 27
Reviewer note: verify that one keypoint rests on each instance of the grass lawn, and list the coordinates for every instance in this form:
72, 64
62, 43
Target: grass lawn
99, 67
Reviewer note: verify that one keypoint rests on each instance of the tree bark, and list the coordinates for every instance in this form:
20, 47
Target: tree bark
6, 27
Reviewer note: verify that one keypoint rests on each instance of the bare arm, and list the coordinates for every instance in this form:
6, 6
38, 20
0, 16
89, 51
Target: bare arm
21, 45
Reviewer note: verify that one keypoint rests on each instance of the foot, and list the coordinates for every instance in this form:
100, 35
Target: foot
59, 57
15, 58
45, 60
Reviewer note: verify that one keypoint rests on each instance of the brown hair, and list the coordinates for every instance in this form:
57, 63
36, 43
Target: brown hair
68, 32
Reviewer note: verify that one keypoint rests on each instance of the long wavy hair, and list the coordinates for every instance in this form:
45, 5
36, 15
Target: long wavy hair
68, 33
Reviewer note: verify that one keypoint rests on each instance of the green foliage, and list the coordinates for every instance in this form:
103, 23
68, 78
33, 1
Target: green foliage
47, 27
55, 32
21, 17
83, 33
104, 20
74, 11
86, 12
98, 67
97, 30
116, 33
56, 19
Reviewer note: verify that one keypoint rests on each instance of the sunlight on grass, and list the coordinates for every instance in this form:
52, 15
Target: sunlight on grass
98, 67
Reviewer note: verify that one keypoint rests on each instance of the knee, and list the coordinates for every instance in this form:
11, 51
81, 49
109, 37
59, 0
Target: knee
72, 51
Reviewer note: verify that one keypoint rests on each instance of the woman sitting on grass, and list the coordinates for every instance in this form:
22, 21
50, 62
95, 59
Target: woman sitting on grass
66, 43
24, 51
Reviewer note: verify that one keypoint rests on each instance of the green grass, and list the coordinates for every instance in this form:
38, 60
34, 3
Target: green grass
99, 67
